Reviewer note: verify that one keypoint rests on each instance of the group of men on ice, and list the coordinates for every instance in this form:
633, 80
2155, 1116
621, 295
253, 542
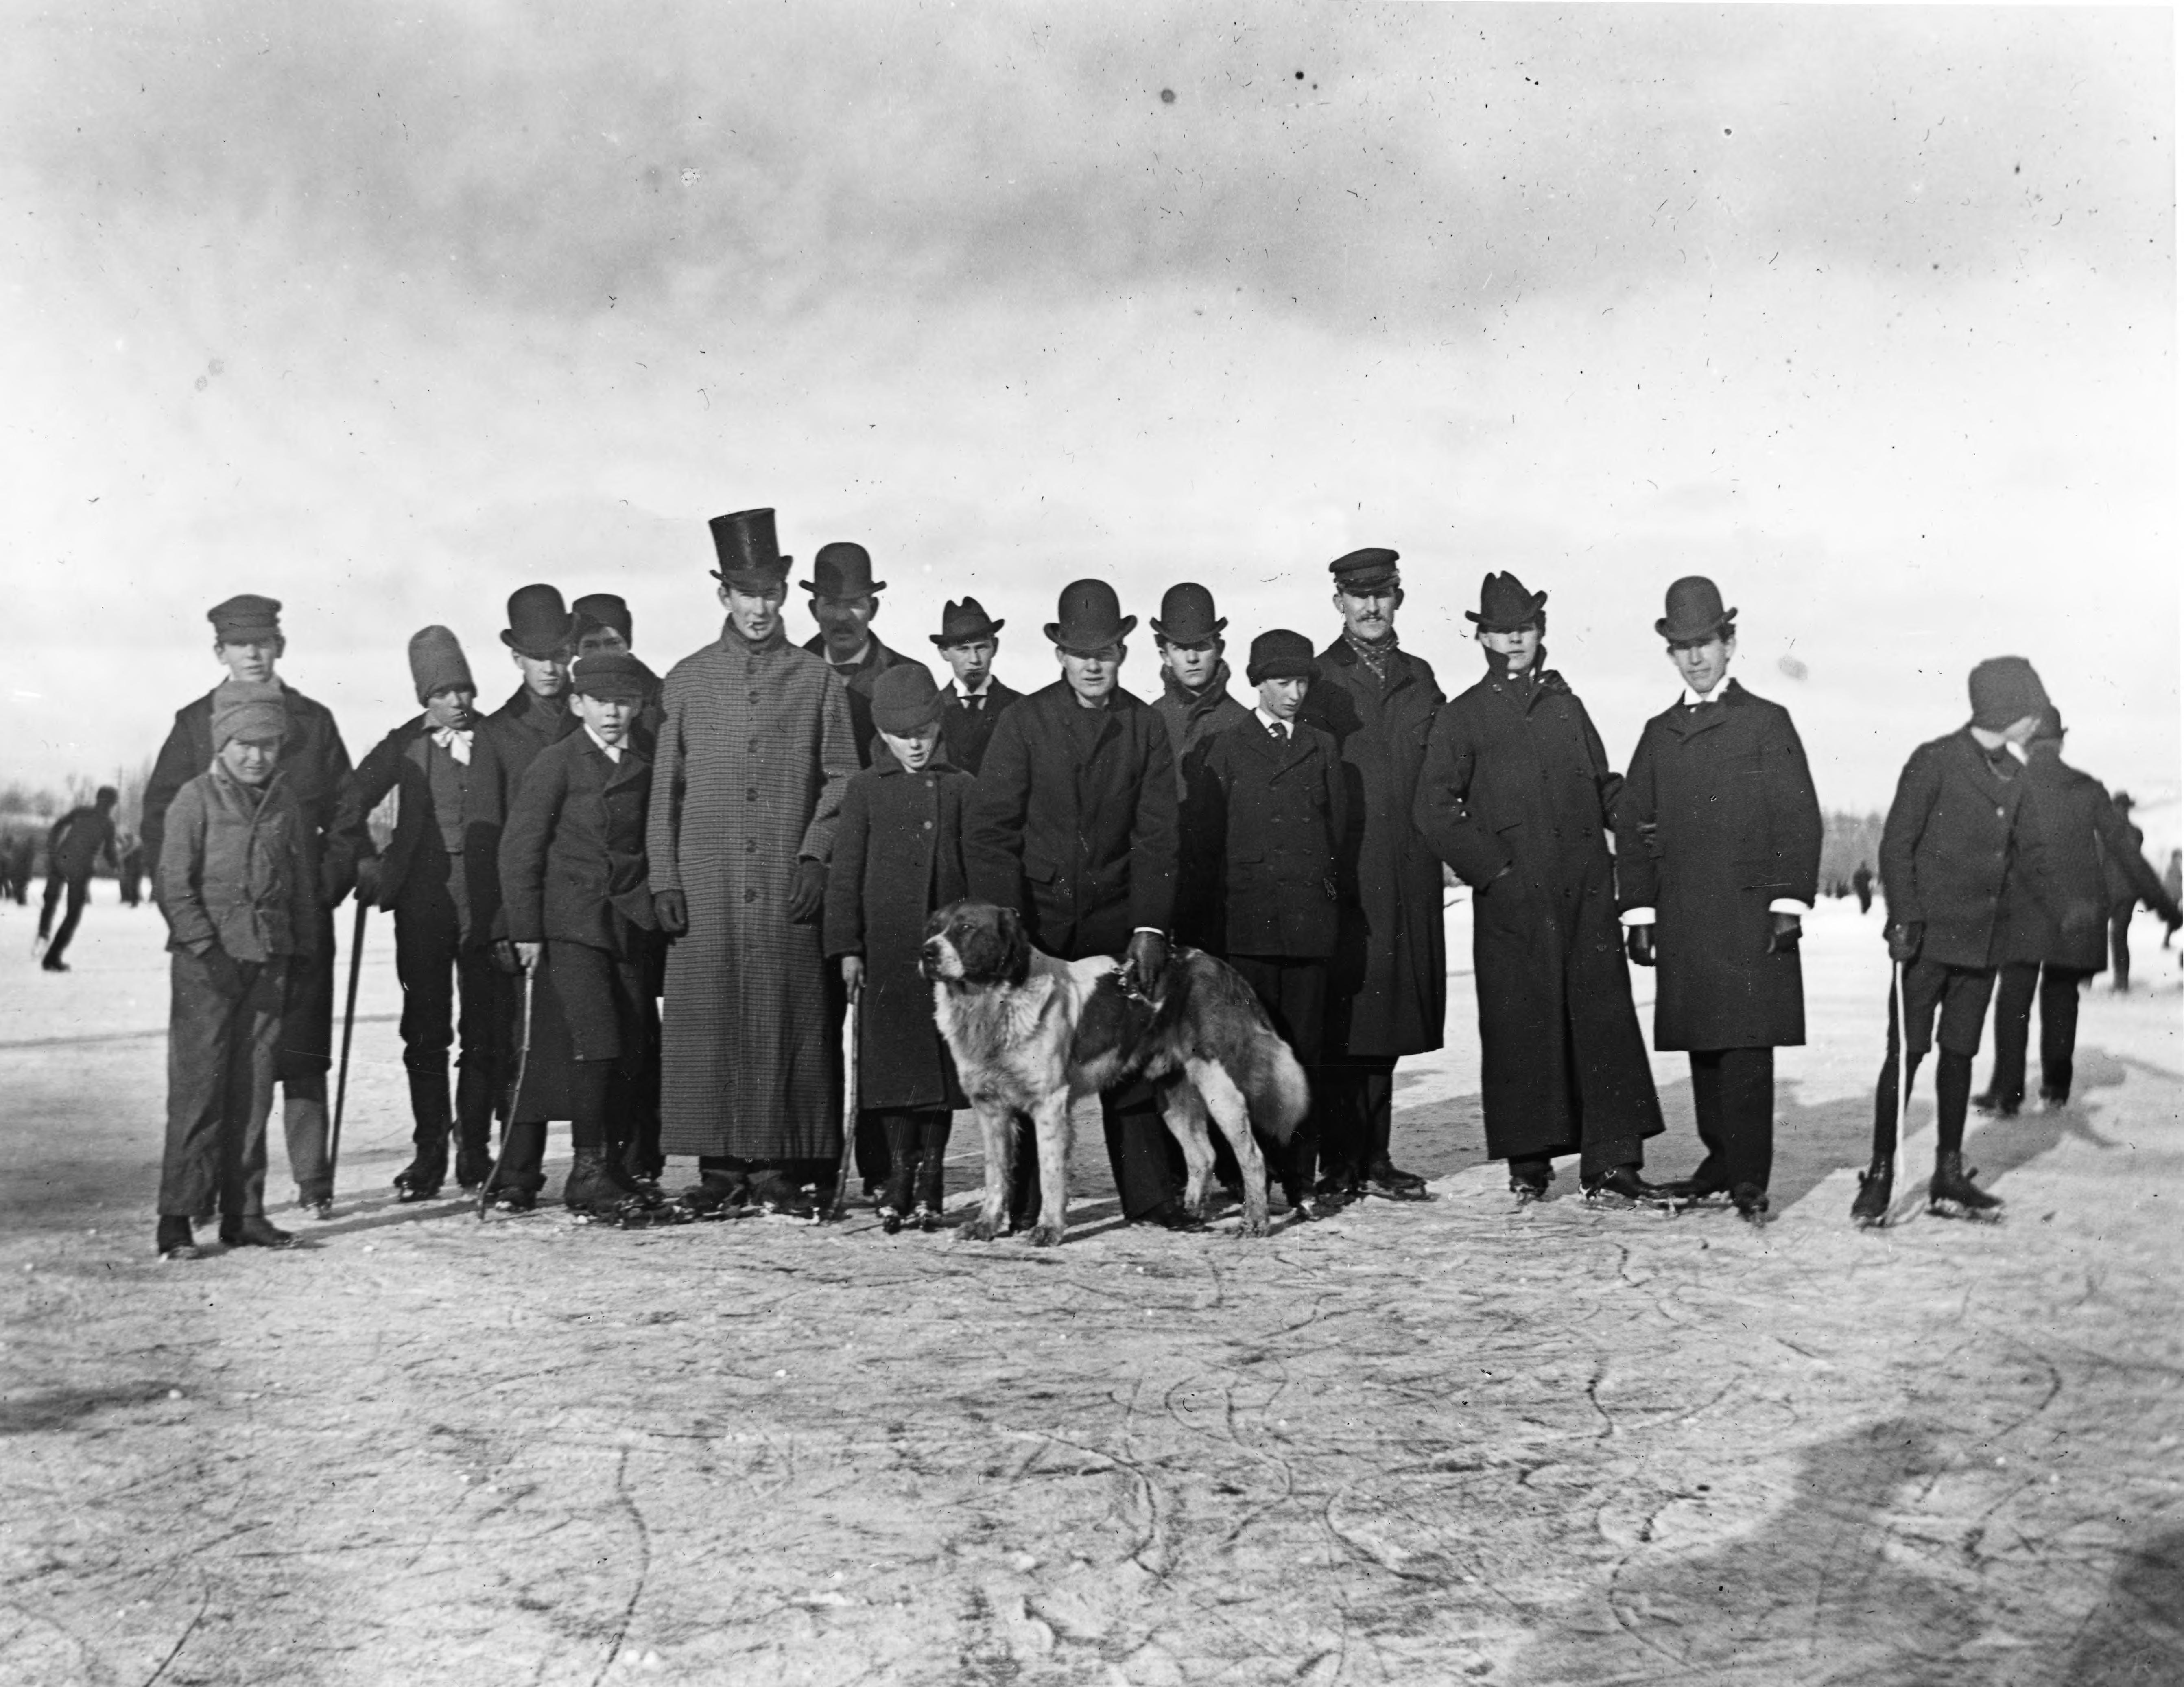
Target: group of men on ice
644, 906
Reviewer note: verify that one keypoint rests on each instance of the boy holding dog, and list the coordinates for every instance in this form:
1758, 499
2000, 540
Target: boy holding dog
898, 855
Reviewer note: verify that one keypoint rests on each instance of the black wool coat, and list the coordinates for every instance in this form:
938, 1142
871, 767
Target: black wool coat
400, 762
1947, 846
1268, 817
898, 855
1515, 776
2062, 921
503, 747
1072, 821
965, 731
1718, 819
1387, 982
572, 851
859, 681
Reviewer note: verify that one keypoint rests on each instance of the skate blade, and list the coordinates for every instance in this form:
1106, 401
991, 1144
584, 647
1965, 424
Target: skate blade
1969, 1214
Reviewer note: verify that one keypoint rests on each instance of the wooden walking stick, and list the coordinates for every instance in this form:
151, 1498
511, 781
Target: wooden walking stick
1903, 1077
348, 1031
842, 1173
522, 1066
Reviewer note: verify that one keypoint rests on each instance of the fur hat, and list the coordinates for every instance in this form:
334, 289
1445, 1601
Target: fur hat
1281, 654
2004, 690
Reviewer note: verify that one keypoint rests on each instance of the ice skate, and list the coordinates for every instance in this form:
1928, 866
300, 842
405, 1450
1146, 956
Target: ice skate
253, 1230
1952, 1194
719, 1194
1876, 1186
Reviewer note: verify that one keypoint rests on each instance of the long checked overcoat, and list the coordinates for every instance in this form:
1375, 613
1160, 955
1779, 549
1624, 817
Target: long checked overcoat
1387, 985
1515, 776
1718, 820
755, 750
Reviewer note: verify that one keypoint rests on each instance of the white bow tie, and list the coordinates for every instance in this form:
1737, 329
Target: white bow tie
455, 741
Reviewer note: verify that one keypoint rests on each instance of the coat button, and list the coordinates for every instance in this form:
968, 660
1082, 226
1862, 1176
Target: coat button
750, 896
750, 846
928, 825
750, 793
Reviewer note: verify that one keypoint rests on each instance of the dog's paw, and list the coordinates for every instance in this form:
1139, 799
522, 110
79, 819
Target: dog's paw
981, 1229
1045, 1235
1255, 1225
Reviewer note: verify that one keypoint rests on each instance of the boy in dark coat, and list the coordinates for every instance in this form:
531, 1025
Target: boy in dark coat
1945, 850
2050, 940
1195, 704
1718, 859
441, 955
1518, 796
1387, 984
1270, 810
580, 914
967, 641
239, 886
898, 855
73, 847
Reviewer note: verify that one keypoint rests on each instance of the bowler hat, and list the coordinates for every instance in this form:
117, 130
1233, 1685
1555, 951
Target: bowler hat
538, 623
842, 570
1365, 570
965, 623
609, 673
604, 609
750, 559
1186, 615
1091, 617
905, 698
1504, 605
1281, 654
436, 664
1695, 613
2004, 690
245, 618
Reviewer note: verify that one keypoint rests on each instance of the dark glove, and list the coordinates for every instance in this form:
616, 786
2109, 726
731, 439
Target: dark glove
1788, 929
1638, 940
505, 958
672, 912
367, 879
807, 893
1143, 962
1904, 942
2171, 916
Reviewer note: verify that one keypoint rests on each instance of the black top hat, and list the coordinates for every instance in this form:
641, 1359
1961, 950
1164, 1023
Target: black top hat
538, 623
1186, 615
842, 570
1695, 613
1281, 654
609, 673
604, 608
1504, 605
1365, 570
1091, 617
965, 623
743, 540
245, 618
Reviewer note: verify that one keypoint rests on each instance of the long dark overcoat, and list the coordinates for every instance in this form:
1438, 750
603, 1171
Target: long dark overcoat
1387, 984
755, 750
859, 682
1718, 819
2064, 921
1516, 776
1193, 719
1268, 819
898, 855
1945, 850
966, 731
503, 747
1072, 821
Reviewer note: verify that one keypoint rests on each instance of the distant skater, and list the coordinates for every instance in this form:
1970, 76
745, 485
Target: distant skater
1861, 883
73, 847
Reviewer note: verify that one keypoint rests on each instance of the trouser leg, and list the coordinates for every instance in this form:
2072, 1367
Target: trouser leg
307, 1018
933, 1129
253, 1051
1745, 1123
202, 1021
1707, 1103
2059, 1029
1294, 993
54, 885
523, 1158
2015, 985
1953, 1096
591, 1083
79, 893
2120, 946
1025, 1202
1138, 1152
425, 950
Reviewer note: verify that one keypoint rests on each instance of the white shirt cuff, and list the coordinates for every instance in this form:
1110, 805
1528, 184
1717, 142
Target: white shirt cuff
1788, 905
1638, 916
1155, 930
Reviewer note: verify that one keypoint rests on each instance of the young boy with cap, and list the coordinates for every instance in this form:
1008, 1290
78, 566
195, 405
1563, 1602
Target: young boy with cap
247, 638
73, 847
898, 855
574, 878
967, 641
441, 955
605, 627
238, 884
1945, 850
1270, 810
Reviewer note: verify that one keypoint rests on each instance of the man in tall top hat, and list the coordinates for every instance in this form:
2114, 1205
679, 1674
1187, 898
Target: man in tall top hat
1518, 796
1959, 818
1714, 892
755, 750
1073, 823
844, 600
449, 994
967, 641
1387, 982
314, 766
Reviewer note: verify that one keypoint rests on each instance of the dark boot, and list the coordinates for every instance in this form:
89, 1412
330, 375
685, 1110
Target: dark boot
1876, 1188
429, 1108
590, 1191
1751, 1203
902, 1147
175, 1239
774, 1191
252, 1230
2002, 1106
1385, 1178
474, 1086
516, 1183
1953, 1189
1531, 1177
1623, 1186
718, 1195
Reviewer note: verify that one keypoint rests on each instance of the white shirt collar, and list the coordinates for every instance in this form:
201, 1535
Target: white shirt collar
1692, 699
983, 686
1275, 723
614, 751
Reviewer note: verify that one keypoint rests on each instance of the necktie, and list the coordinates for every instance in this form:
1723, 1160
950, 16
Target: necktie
1277, 732
457, 744
975, 701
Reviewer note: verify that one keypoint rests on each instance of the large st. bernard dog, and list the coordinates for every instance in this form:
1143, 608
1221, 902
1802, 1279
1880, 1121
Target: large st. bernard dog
1032, 1035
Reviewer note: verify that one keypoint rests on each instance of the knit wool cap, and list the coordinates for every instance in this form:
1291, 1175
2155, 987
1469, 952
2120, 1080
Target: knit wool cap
2004, 690
611, 673
436, 664
252, 709
1281, 654
904, 699
248, 619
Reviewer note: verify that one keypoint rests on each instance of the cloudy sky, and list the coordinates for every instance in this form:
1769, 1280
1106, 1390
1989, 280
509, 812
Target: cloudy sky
384, 312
